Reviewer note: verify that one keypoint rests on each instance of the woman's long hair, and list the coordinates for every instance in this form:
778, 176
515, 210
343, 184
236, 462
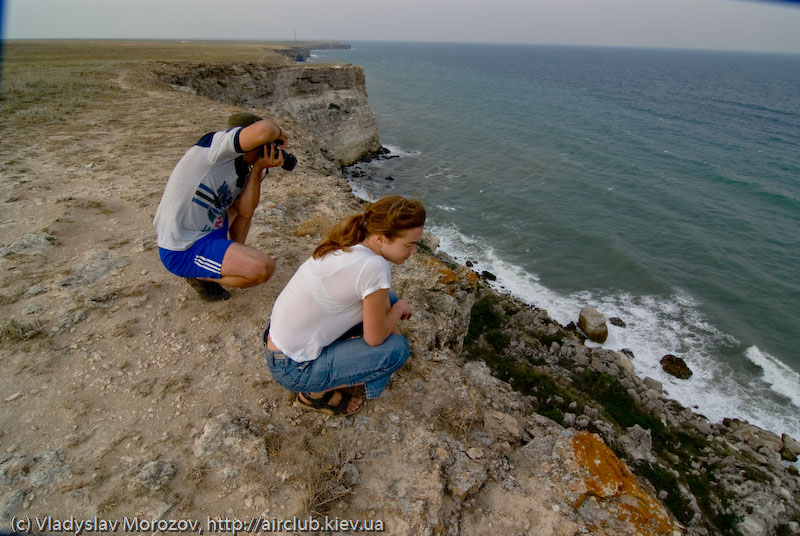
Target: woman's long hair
388, 216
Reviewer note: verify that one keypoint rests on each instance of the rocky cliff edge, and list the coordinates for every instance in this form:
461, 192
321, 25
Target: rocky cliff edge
124, 396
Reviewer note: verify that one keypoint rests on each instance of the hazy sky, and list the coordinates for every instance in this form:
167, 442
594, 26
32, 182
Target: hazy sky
718, 24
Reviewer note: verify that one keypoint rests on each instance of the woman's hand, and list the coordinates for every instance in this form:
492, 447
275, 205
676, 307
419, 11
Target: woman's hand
404, 308
380, 319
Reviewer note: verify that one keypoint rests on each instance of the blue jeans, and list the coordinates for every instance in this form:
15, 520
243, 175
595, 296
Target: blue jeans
346, 361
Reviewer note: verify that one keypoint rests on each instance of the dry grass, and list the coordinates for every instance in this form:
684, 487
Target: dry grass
327, 479
42, 93
45, 82
13, 331
95, 51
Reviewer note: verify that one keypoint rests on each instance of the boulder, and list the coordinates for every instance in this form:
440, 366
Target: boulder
675, 366
791, 448
593, 324
653, 384
638, 443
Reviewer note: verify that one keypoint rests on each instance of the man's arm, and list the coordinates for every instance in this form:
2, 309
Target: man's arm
241, 212
252, 137
259, 133
245, 205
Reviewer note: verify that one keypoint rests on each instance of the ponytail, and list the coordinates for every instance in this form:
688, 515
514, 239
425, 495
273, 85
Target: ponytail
345, 233
387, 216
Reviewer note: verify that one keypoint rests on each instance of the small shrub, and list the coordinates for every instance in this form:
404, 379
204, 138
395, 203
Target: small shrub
484, 316
497, 338
663, 480
13, 331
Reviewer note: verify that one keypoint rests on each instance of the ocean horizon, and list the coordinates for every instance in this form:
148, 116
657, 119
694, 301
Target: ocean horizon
658, 186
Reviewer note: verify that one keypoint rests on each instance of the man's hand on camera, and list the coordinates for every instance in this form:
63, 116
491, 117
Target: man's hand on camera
272, 157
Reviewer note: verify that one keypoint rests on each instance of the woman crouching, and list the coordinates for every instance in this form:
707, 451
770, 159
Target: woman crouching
333, 328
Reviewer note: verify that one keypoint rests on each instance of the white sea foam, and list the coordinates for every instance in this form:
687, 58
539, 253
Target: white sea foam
359, 191
397, 151
656, 326
780, 378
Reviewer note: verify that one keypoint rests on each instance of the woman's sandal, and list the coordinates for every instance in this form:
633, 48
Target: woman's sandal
350, 392
323, 404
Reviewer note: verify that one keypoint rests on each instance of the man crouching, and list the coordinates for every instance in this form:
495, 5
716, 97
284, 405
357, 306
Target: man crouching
204, 215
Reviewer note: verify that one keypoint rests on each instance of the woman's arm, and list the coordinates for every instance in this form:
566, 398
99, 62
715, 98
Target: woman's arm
380, 319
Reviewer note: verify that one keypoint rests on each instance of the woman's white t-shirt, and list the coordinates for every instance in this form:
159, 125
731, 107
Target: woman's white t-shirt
324, 299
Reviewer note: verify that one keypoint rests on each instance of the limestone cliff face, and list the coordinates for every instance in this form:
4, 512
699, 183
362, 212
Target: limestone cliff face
330, 100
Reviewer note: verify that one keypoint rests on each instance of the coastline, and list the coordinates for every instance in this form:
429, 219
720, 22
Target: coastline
671, 303
126, 394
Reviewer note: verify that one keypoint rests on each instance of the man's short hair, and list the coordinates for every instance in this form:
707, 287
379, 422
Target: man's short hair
242, 119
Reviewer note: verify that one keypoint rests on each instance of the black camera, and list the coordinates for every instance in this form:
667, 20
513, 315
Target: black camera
289, 160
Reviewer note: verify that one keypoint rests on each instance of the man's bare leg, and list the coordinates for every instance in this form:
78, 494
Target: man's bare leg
243, 267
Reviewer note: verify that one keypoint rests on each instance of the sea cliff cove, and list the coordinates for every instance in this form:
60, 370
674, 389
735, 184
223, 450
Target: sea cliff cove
125, 397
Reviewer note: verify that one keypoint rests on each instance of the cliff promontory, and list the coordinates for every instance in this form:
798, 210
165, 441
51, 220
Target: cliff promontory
125, 399
328, 100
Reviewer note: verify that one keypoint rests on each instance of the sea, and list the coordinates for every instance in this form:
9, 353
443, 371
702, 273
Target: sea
659, 186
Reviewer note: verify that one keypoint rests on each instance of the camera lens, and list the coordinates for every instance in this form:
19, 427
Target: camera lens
289, 161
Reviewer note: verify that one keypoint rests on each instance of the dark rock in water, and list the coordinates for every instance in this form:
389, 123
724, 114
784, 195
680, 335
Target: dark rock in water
389, 178
628, 352
616, 321
380, 154
470, 264
675, 366
488, 275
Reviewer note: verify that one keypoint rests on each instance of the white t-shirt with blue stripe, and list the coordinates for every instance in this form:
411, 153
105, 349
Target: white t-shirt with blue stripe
201, 188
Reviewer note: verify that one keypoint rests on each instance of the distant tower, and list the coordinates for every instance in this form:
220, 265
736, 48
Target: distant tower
299, 57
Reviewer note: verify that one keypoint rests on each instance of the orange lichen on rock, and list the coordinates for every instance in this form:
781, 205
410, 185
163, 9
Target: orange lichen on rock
448, 276
610, 479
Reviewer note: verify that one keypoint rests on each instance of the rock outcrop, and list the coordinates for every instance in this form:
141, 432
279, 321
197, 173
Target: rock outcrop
328, 100
709, 475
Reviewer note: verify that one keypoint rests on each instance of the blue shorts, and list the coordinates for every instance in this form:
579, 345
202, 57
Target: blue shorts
201, 259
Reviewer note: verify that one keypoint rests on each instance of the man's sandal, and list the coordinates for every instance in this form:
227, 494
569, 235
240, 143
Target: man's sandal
323, 405
208, 290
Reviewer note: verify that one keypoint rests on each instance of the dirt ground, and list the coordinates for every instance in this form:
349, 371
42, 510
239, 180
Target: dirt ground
110, 364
